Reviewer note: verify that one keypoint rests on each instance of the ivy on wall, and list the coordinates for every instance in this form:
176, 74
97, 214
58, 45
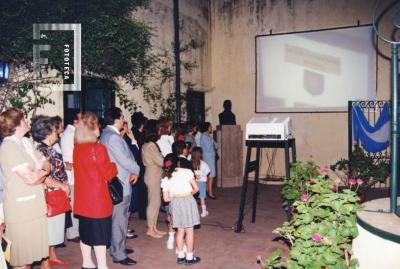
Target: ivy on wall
114, 44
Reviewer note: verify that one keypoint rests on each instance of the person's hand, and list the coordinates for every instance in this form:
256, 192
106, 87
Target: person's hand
131, 136
65, 187
46, 167
133, 179
68, 166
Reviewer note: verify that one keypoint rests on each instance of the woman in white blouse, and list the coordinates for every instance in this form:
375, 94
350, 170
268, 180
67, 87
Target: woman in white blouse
166, 139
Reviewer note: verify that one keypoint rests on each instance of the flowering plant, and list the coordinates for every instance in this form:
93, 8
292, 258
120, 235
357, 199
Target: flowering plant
322, 229
360, 172
353, 184
301, 175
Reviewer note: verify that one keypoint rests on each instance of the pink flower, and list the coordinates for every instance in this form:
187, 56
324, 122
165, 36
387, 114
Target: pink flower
316, 237
352, 181
304, 197
360, 181
325, 171
168, 163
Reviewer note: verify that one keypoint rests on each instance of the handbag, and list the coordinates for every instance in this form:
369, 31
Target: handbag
116, 190
57, 203
114, 185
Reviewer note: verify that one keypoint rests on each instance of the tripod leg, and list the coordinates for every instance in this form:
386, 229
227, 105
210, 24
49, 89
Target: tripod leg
255, 192
287, 159
293, 150
239, 224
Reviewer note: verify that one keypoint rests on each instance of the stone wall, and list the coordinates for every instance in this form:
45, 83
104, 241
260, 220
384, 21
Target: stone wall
234, 25
194, 27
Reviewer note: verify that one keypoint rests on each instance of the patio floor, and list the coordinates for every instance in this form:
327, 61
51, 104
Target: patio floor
216, 243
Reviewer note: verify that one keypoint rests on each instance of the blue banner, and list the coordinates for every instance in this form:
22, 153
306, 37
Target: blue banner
373, 138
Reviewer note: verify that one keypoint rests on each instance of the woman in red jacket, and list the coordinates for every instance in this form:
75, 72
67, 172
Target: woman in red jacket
92, 204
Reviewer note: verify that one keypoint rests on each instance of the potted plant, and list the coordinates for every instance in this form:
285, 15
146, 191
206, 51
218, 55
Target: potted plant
360, 173
321, 232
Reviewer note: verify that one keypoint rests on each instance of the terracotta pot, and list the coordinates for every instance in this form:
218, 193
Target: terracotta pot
361, 196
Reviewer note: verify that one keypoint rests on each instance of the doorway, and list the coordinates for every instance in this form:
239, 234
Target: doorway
96, 96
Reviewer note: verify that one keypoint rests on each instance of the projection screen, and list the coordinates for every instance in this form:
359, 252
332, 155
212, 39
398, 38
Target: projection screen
317, 71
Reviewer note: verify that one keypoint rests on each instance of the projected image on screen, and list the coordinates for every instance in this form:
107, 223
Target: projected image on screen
315, 71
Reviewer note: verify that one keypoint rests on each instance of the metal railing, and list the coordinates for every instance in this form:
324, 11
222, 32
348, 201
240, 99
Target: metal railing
372, 111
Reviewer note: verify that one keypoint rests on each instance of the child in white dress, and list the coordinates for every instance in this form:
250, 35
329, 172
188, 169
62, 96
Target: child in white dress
178, 188
201, 171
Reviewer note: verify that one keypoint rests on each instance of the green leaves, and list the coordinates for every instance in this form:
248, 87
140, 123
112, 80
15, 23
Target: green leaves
323, 223
274, 261
113, 43
26, 96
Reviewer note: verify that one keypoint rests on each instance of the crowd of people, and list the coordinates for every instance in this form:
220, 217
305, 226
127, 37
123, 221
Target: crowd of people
158, 166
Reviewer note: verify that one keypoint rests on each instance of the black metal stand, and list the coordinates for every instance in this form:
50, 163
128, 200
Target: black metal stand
252, 166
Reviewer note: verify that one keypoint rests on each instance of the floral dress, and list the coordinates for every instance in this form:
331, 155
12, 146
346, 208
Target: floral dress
56, 224
57, 170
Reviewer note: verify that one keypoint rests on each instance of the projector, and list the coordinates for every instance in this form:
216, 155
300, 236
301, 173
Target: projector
269, 128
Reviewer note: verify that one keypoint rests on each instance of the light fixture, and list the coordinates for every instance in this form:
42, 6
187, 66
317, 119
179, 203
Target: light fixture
4, 71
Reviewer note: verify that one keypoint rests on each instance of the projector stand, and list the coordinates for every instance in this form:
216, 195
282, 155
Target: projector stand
252, 166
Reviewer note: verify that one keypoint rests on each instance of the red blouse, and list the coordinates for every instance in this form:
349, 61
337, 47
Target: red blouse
91, 196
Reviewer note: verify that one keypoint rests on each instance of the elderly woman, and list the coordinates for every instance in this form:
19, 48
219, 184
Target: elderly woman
44, 132
92, 204
153, 162
24, 169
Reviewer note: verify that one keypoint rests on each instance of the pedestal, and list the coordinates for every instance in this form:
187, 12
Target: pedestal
230, 151
378, 242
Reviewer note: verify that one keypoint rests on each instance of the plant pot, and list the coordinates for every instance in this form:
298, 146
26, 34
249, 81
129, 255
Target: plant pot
361, 196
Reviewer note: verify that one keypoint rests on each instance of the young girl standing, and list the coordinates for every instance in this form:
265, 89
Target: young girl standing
209, 146
201, 171
178, 188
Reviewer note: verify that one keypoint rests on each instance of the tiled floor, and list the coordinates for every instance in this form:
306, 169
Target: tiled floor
216, 243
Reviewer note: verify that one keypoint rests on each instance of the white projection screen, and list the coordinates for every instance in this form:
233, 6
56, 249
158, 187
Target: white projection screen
317, 71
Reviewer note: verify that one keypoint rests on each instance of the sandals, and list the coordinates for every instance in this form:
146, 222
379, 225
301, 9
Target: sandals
157, 236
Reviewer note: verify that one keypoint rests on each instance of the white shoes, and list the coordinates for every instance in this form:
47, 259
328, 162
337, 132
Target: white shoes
171, 241
204, 214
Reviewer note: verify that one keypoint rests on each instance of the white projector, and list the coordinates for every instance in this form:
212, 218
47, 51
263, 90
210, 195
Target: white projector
269, 128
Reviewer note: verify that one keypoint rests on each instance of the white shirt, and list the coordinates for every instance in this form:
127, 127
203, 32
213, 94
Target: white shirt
165, 144
67, 149
179, 183
197, 138
203, 172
